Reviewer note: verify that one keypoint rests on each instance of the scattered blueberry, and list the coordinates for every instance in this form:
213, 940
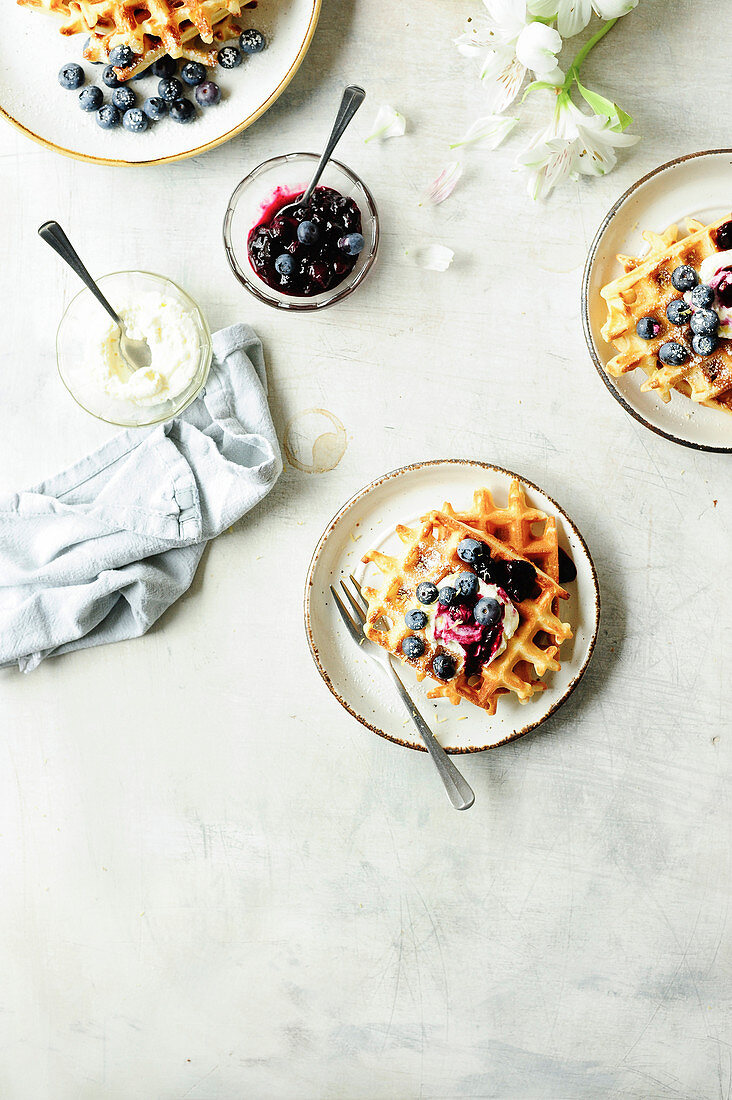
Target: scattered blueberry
193, 73
141, 75
704, 343
704, 322
252, 41
412, 646
426, 592
352, 244
182, 110
678, 312
684, 277
443, 666
155, 108
121, 57
208, 94
124, 98
110, 77
229, 57
466, 584
648, 328
487, 611
71, 76
447, 595
285, 264
91, 99
672, 354
164, 67
468, 549
702, 296
108, 116
135, 120
307, 232
415, 619
170, 89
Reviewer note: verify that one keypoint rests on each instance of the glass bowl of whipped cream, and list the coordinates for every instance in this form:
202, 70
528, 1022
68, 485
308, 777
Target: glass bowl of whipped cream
91, 365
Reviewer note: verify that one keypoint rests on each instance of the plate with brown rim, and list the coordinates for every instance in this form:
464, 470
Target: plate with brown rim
368, 521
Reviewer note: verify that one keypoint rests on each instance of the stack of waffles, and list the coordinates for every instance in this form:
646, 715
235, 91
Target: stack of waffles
514, 532
191, 29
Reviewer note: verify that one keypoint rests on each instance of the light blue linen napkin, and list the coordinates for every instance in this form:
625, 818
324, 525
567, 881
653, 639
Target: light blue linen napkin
99, 552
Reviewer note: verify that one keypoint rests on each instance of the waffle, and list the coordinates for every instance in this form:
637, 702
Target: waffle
431, 554
191, 29
645, 290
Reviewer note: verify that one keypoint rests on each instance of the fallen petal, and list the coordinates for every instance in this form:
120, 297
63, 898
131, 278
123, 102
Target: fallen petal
489, 131
434, 257
387, 124
445, 183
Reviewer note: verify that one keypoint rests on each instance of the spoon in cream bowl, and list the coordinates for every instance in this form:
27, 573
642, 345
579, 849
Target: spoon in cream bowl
136, 353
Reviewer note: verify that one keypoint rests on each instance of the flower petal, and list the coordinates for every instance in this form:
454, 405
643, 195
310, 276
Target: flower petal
445, 183
434, 257
489, 131
613, 9
387, 124
537, 47
503, 78
573, 16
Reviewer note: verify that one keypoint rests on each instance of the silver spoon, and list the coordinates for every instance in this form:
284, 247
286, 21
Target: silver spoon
136, 353
352, 99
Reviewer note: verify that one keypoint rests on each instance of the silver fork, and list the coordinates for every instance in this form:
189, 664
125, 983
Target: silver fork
458, 790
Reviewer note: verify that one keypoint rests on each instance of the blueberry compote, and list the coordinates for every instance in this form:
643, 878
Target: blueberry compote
321, 258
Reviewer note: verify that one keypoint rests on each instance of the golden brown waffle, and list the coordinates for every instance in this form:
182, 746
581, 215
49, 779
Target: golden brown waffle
645, 290
431, 554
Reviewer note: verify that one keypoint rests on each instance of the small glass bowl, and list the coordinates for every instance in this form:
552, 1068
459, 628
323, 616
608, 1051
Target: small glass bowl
254, 194
72, 342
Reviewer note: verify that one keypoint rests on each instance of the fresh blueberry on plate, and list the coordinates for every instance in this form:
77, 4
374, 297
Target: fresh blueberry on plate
307, 232
467, 550
124, 98
648, 328
121, 57
415, 619
208, 94
704, 343
447, 595
285, 263
71, 76
108, 116
352, 244
110, 77
672, 354
91, 99
704, 322
426, 592
135, 120
684, 277
164, 67
487, 611
155, 108
702, 296
170, 89
412, 646
466, 584
678, 312
141, 75
443, 666
252, 41
229, 57
182, 111
193, 73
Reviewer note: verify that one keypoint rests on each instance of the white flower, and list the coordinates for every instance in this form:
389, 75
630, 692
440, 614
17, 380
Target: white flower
490, 131
387, 124
515, 43
573, 144
574, 15
434, 257
445, 183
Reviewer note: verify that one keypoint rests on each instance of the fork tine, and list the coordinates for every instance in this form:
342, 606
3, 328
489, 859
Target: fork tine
358, 588
361, 614
353, 629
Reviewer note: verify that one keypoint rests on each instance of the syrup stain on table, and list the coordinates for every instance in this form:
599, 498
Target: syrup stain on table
315, 441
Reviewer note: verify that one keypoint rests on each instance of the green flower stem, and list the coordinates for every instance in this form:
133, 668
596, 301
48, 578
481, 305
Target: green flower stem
574, 68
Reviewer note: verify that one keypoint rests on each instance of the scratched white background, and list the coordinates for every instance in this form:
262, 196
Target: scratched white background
215, 884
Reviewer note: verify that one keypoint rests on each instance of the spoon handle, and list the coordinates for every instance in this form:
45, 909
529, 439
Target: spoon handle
353, 97
53, 234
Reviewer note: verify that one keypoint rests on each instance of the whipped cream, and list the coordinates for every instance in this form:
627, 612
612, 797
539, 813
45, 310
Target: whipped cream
709, 269
436, 633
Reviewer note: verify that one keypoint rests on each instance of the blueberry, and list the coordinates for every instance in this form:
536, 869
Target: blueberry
487, 611
164, 67
307, 232
229, 57
110, 77
135, 120
141, 75
155, 108
124, 98
678, 312
648, 328
412, 646
684, 277
108, 116
672, 354
193, 73
121, 57
466, 584
443, 666
91, 99
447, 595
182, 110
426, 592
170, 89
702, 296
704, 343
285, 264
71, 76
468, 549
251, 41
415, 619
704, 322
208, 94
352, 244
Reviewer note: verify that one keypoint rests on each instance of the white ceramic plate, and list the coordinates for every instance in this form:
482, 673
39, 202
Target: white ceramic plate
368, 521
698, 185
33, 100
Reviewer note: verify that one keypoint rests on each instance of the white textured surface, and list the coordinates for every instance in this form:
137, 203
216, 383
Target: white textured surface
214, 883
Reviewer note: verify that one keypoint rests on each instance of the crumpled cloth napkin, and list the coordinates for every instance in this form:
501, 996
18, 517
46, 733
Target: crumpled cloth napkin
99, 552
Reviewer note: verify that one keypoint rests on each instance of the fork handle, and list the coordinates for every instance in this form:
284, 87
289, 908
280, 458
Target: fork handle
458, 789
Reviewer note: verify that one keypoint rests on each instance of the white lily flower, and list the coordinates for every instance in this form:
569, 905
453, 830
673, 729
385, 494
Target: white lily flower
445, 183
489, 131
387, 124
573, 15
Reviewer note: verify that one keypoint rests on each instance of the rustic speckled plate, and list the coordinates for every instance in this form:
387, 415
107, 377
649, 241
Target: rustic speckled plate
698, 185
369, 520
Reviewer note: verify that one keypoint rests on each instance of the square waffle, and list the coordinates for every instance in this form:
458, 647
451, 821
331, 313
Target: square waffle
431, 555
645, 290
